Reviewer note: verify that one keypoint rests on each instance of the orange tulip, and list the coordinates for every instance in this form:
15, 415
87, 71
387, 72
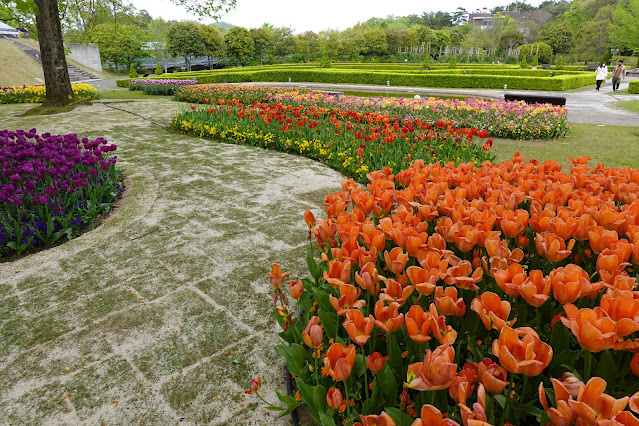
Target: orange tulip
462, 385
276, 277
465, 237
309, 218
296, 288
368, 279
431, 416
448, 303
460, 276
338, 273
422, 279
418, 324
569, 283
388, 318
535, 289
313, 334
358, 327
382, 419
528, 356
491, 375
445, 334
436, 371
611, 260
510, 279
571, 383
551, 247
347, 300
563, 414
375, 362
396, 260
600, 239
334, 398
325, 233
594, 330
492, 311
623, 309
476, 416
592, 404
394, 292
514, 223
339, 361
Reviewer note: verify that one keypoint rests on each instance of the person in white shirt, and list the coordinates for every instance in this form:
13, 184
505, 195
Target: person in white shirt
602, 73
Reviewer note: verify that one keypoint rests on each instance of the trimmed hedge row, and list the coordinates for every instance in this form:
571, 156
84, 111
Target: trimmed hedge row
444, 80
634, 87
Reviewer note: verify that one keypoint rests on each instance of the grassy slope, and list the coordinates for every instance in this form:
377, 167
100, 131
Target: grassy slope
629, 105
16, 68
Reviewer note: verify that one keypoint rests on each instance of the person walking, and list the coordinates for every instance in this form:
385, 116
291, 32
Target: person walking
618, 73
602, 73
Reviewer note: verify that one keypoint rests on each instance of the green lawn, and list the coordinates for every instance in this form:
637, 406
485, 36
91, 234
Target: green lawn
121, 93
629, 105
610, 145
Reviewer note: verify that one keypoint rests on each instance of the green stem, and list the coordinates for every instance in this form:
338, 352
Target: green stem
588, 365
365, 375
348, 406
522, 396
316, 375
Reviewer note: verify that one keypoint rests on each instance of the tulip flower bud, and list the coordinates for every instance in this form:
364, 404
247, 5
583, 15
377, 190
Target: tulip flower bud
296, 289
375, 362
334, 398
256, 382
313, 333
309, 218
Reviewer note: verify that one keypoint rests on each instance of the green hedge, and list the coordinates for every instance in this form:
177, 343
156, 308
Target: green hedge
346, 76
634, 87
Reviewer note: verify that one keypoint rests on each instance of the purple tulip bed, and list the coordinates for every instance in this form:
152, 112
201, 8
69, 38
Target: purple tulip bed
52, 186
159, 86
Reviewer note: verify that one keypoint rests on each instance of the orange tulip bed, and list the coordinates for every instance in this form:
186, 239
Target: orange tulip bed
493, 294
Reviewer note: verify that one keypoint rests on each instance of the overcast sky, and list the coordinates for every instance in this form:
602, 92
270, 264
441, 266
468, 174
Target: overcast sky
317, 15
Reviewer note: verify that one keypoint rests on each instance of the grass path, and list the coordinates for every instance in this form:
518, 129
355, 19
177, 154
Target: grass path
162, 314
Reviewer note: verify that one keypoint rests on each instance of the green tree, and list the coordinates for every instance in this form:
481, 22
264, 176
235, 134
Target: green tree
156, 32
558, 35
213, 42
308, 44
352, 44
375, 42
524, 62
56, 74
283, 42
624, 31
158, 69
121, 45
592, 40
239, 43
509, 40
184, 39
262, 38
133, 73
330, 43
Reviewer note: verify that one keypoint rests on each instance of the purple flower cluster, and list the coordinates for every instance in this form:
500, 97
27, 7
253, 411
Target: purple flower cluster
50, 184
159, 86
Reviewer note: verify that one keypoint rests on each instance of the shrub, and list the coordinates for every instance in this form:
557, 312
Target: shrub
559, 65
417, 281
535, 61
452, 64
325, 63
543, 50
132, 72
426, 63
634, 87
37, 94
524, 62
52, 187
158, 69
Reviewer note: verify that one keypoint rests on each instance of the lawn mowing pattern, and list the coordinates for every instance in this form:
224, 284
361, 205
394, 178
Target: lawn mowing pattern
162, 313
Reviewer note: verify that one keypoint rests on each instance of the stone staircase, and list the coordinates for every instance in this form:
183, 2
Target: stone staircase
75, 73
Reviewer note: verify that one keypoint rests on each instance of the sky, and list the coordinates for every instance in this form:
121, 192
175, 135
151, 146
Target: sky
317, 15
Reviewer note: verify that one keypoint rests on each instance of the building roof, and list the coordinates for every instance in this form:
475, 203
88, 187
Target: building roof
7, 29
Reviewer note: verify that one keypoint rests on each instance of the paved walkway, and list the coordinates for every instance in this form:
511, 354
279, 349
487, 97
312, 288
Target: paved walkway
162, 315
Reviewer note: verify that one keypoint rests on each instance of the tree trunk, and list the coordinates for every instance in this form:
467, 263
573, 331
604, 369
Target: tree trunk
54, 63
